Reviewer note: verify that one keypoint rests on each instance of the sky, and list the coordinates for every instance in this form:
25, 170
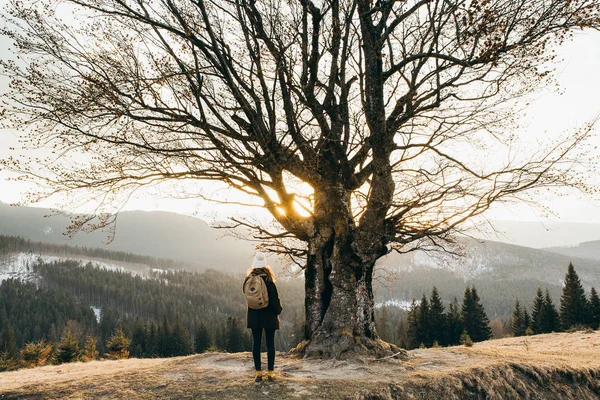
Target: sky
549, 114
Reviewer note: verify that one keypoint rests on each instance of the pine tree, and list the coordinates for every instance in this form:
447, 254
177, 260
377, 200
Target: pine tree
384, 326
594, 309
36, 354
202, 341
437, 319
573, 303
424, 325
401, 334
234, 335
527, 322
139, 339
180, 336
90, 352
536, 311
475, 320
518, 320
152, 344
52, 335
550, 321
68, 349
8, 342
221, 336
412, 326
455, 326
7, 363
165, 348
118, 345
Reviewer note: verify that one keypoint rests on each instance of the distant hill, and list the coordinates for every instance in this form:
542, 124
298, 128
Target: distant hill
589, 250
499, 261
501, 272
157, 234
541, 234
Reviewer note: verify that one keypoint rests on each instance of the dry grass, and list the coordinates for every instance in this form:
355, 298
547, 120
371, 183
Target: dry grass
553, 366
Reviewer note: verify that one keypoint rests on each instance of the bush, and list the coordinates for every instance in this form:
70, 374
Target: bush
68, 349
89, 349
118, 346
465, 339
529, 332
36, 354
7, 363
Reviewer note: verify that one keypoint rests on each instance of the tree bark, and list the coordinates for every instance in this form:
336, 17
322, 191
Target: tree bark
339, 302
340, 306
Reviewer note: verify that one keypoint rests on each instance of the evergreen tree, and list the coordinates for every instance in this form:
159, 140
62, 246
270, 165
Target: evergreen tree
573, 303
474, 318
437, 319
68, 349
8, 342
118, 345
384, 326
401, 334
518, 320
202, 341
139, 339
412, 326
594, 309
424, 326
550, 321
52, 334
152, 344
455, 326
536, 311
109, 319
36, 354
7, 363
527, 322
165, 348
221, 336
90, 352
234, 335
180, 336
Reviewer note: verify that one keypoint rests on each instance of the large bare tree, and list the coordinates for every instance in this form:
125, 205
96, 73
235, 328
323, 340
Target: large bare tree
397, 113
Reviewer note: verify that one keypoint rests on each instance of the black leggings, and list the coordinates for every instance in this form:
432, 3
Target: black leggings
256, 342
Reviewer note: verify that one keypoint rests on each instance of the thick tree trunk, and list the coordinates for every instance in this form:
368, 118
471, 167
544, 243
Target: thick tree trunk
339, 303
340, 307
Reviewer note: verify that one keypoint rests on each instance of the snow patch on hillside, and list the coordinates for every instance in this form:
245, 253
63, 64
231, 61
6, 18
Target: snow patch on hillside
19, 266
402, 304
97, 312
468, 266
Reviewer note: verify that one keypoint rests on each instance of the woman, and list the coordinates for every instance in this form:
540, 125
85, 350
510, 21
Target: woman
266, 319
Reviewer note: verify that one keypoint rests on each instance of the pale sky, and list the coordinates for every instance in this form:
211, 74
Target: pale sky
548, 114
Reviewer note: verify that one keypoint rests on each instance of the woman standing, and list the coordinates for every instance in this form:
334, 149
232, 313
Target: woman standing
260, 317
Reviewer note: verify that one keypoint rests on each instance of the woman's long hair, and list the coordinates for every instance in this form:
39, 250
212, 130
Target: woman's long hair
263, 271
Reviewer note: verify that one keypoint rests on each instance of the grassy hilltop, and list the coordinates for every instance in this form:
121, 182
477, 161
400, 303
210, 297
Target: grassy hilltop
552, 366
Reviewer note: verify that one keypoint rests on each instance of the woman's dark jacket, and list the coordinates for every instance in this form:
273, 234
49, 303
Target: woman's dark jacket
267, 317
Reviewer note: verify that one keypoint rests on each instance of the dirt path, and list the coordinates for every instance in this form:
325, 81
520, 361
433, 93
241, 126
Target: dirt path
560, 365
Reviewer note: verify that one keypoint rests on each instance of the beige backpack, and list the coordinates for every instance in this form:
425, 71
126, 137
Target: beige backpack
255, 291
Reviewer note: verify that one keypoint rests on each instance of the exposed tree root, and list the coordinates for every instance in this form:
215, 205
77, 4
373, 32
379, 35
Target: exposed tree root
345, 347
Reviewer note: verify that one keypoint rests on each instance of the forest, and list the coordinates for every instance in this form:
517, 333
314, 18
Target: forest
77, 311
156, 314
